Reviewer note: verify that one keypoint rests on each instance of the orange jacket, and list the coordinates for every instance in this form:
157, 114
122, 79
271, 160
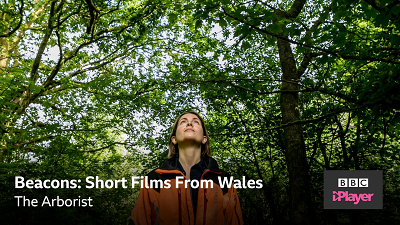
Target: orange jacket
170, 206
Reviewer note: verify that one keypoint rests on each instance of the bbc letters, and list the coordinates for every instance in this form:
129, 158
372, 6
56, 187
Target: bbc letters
353, 189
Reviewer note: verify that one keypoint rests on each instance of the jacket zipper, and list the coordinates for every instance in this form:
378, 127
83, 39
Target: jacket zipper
205, 200
205, 206
205, 194
180, 210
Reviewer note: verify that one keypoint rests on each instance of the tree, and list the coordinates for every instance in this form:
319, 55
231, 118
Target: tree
288, 89
321, 59
59, 61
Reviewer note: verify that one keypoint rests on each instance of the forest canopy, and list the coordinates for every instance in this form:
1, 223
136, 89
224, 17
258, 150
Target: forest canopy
287, 89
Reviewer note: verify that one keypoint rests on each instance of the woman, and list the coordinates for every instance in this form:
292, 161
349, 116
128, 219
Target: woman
191, 193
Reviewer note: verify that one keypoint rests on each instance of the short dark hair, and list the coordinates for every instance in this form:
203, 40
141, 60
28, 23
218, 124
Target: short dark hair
173, 148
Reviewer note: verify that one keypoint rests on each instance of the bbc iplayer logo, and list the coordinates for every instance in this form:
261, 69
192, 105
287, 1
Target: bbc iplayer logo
353, 189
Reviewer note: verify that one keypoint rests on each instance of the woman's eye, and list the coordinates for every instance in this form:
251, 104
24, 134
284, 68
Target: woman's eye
196, 122
183, 122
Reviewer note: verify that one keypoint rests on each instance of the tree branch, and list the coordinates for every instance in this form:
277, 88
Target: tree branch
333, 53
21, 12
292, 123
108, 146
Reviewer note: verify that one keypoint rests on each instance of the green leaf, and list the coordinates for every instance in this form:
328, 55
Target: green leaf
245, 45
198, 24
222, 23
275, 28
172, 17
382, 20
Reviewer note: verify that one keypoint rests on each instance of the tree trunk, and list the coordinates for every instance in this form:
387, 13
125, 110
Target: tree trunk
299, 194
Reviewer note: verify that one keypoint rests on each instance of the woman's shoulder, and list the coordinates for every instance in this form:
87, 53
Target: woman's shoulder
164, 169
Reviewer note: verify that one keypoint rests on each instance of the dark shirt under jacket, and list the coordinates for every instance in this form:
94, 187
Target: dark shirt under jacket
195, 174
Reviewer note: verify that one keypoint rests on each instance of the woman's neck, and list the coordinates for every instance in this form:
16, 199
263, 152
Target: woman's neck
189, 157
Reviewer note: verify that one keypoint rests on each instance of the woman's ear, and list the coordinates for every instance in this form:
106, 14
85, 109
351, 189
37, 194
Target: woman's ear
173, 139
204, 140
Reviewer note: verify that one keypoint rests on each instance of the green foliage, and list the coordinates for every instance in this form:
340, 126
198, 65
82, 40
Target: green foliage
92, 88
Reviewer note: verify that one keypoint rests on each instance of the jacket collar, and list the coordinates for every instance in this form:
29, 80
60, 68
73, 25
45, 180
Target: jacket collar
172, 164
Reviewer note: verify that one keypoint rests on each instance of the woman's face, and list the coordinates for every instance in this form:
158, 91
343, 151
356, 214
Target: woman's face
189, 131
